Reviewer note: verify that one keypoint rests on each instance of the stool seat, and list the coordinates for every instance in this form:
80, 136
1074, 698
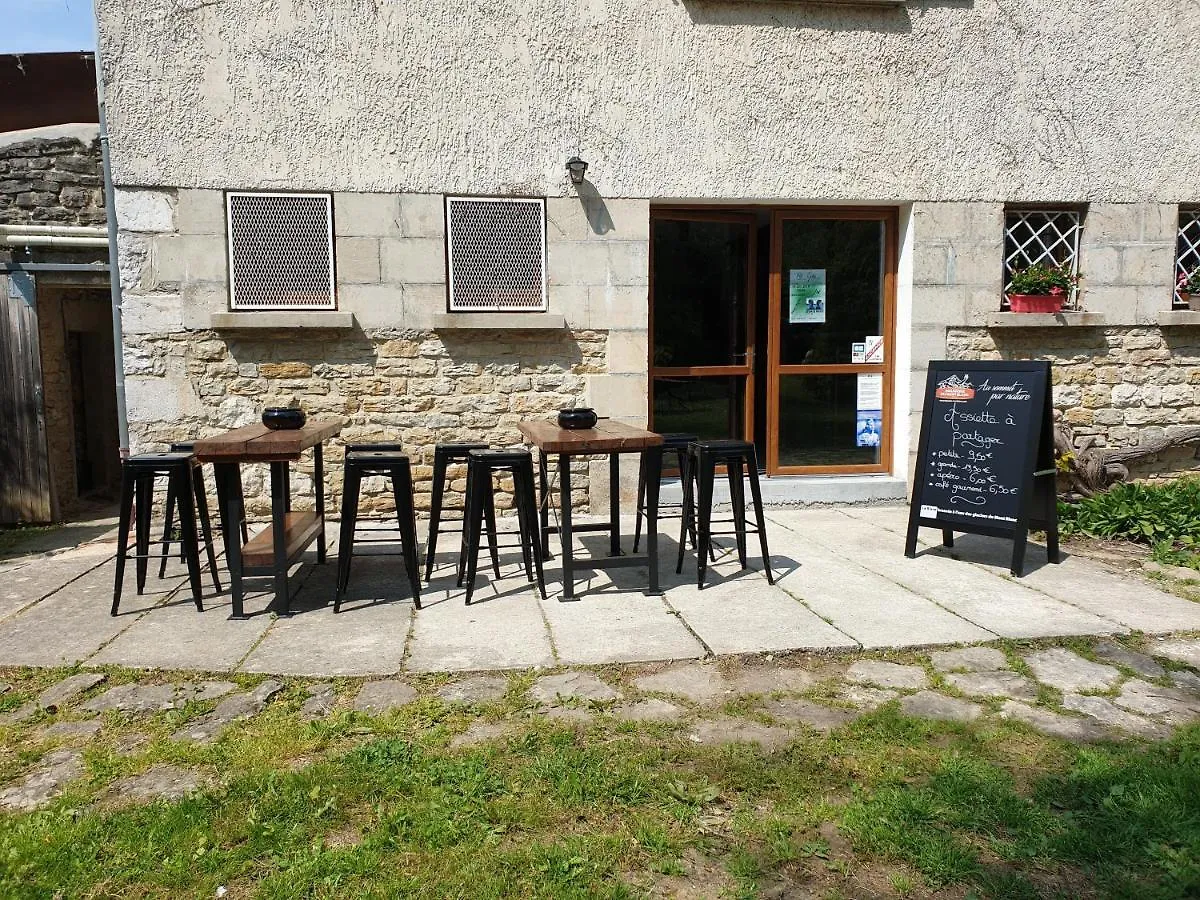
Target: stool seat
392, 446
676, 443
390, 464
443, 456
184, 490
481, 466
702, 459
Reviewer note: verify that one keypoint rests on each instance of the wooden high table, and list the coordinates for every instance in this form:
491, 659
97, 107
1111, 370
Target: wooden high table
613, 438
273, 551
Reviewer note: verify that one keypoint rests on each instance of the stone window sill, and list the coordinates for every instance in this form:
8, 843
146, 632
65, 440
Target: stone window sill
1045, 320
270, 319
499, 322
1179, 317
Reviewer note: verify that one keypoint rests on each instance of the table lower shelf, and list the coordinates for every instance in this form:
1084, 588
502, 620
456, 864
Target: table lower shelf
300, 529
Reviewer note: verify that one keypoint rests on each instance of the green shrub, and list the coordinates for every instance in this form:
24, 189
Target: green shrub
1150, 514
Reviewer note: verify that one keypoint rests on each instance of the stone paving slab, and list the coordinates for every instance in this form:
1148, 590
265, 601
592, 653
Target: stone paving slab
1000, 605
45, 783
1067, 671
873, 610
34, 581
969, 659
1184, 651
71, 625
625, 627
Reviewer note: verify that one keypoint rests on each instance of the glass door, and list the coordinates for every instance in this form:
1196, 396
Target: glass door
702, 276
829, 341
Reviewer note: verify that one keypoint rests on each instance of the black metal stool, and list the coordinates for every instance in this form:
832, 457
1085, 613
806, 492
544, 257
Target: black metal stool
201, 499
703, 457
443, 456
672, 443
138, 474
360, 464
481, 466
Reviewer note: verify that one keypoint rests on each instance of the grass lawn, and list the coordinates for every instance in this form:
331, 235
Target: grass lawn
355, 806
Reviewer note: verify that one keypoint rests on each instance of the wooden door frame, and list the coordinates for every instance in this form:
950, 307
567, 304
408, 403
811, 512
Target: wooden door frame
890, 217
709, 214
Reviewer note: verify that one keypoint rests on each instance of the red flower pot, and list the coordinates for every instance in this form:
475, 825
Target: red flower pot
1035, 303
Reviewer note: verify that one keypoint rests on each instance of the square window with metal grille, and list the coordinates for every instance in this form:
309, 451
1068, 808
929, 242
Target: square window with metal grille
497, 253
280, 251
1049, 236
1187, 252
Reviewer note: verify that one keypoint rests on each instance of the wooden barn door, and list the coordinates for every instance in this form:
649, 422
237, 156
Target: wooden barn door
24, 465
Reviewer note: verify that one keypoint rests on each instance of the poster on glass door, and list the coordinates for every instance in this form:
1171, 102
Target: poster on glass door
806, 296
868, 423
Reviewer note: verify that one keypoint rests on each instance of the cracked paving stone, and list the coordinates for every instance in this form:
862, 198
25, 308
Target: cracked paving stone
41, 786
1168, 704
160, 782
969, 659
68, 689
572, 685
805, 712
1130, 659
771, 681
932, 705
1184, 651
71, 730
321, 698
206, 690
698, 682
1105, 711
1070, 672
887, 674
1186, 681
232, 709
865, 696
378, 697
729, 730
994, 684
1079, 731
478, 689
143, 699
651, 709
481, 732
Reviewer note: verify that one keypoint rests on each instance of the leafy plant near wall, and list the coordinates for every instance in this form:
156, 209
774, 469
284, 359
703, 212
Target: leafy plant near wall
1040, 280
1166, 516
1189, 282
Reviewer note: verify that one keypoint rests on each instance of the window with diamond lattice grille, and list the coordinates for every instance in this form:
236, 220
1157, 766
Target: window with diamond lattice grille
1048, 236
1187, 253
280, 251
497, 254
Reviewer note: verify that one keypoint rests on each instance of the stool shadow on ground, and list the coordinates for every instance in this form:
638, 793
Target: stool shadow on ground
992, 551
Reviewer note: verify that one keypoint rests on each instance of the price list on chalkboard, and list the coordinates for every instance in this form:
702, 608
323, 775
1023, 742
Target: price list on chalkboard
985, 443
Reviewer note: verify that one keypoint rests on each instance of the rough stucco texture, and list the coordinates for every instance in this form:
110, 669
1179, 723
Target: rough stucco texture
980, 99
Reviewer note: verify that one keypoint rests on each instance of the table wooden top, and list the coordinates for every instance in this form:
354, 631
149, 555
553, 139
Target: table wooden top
607, 437
258, 443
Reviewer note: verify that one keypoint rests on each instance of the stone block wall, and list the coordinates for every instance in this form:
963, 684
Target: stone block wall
393, 376
1119, 386
51, 181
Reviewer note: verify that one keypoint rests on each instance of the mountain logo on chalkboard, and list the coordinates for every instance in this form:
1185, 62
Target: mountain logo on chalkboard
955, 388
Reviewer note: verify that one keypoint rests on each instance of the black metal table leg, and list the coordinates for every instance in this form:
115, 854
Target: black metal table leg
614, 504
229, 478
319, 478
544, 505
653, 458
279, 507
564, 528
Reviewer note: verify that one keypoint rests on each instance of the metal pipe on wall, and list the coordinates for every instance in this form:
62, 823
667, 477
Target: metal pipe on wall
52, 240
59, 230
110, 211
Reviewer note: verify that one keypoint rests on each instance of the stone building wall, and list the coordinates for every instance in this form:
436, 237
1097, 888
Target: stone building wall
394, 374
51, 180
1119, 386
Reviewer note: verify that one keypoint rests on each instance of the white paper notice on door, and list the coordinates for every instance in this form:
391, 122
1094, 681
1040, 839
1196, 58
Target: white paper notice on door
806, 296
874, 348
858, 352
870, 392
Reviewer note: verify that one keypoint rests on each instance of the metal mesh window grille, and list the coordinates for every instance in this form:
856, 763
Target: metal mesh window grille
1049, 236
280, 251
1187, 253
497, 252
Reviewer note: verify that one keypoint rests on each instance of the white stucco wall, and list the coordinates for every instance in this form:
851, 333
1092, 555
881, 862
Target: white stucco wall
1011, 100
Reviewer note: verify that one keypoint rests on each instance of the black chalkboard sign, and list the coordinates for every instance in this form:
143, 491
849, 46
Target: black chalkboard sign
985, 460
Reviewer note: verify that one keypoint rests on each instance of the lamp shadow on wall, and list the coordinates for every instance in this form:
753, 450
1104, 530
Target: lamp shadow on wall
812, 14
594, 208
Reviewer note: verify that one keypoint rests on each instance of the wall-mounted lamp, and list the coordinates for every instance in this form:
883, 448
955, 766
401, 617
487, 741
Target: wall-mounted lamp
578, 168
